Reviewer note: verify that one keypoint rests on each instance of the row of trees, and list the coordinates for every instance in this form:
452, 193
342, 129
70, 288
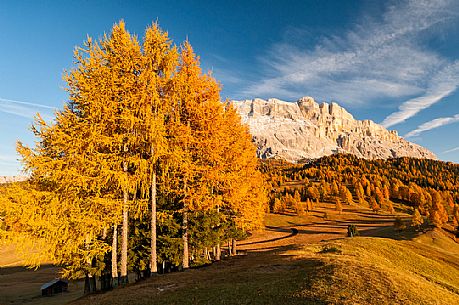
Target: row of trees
144, 143
430, 187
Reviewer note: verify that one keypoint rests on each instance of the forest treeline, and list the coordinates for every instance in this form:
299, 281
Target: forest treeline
429, 187
144, 166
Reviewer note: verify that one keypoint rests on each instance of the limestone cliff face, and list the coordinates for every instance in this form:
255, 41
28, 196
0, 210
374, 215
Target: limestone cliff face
306, 129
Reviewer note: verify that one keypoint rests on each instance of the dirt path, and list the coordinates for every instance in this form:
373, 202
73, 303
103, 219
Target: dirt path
295, 230
265, 253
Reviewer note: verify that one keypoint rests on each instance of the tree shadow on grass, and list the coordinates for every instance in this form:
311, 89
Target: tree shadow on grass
16, 269
293, 231
274, 276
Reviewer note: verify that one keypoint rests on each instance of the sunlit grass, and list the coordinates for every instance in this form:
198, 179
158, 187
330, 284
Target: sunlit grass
363, 270
385, 271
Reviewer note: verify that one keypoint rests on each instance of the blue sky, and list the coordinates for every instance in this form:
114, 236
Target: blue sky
395, 62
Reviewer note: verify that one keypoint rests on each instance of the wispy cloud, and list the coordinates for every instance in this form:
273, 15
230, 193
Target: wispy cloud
25, 109
226, 76
9, 164
8, 158
375, 60
440, 86
451, 150
439, 122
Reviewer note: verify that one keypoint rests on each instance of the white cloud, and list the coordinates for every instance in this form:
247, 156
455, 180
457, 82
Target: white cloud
439, 122
441, 85
9, 164
226, 76
451, 150
8, 158
25, 109
375, 60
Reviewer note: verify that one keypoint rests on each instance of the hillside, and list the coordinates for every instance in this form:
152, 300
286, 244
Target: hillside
306, 129
279, 267
427, 188
302, 255
294, 260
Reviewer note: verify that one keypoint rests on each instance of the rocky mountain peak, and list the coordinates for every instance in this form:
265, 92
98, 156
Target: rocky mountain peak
307, 129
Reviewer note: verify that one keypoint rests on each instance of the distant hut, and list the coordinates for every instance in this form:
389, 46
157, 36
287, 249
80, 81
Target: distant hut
54, 287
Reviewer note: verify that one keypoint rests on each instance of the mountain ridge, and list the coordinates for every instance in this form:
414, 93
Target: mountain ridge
306, 129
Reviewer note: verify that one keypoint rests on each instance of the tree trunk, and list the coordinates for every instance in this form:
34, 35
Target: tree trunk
93, 278
218, 254
186, 259
153, 258
92, 283
233, 248
124, 232
87, 285
115, 256
124, 239
208, 256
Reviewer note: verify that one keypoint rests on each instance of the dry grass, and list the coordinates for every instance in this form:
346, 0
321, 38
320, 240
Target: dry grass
362, 270
8, 257
384, 271
283, 268
19, 285
260, 278
313, 264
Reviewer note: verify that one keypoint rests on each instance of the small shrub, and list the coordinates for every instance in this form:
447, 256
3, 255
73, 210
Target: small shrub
330, 249
399, 224
352, 231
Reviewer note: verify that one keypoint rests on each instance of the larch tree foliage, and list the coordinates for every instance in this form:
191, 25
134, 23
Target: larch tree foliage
195, 107
245, 187
121, 90
438, 215
160, 61
338, 205
346, 195
113, 89
374, 205
416, 219
91, 152
242, 185
33, 223
213, 157
65, 196
92, 149
139, 115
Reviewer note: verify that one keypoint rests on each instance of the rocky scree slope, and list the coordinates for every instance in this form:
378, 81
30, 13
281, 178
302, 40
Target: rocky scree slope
306, 129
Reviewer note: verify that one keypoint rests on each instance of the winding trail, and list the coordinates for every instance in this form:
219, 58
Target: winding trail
263, 252
294, 233
322, 224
